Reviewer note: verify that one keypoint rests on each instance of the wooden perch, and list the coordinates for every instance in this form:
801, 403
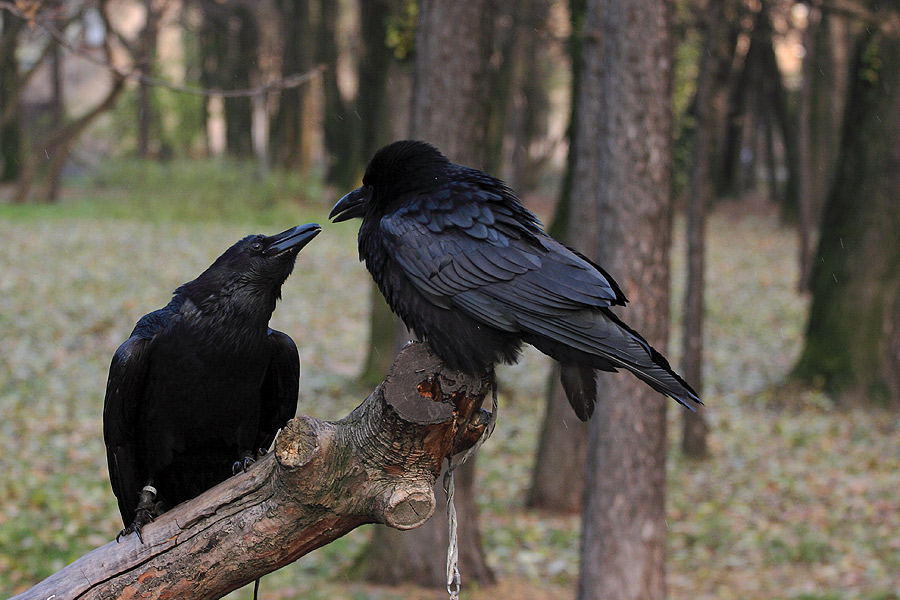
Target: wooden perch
376, 465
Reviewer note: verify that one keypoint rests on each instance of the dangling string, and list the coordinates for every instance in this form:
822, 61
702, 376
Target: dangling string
454, 580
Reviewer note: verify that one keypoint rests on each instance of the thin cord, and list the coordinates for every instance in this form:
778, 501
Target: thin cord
454, 580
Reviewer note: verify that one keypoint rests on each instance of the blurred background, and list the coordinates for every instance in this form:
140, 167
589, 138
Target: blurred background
140, 138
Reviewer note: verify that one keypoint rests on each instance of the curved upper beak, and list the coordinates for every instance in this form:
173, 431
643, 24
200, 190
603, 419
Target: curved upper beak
294, 238
351, 206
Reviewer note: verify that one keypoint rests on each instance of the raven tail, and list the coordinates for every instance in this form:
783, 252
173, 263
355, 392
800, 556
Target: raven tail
580, 384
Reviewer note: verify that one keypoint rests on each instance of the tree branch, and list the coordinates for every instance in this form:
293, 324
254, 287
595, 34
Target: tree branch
376, 465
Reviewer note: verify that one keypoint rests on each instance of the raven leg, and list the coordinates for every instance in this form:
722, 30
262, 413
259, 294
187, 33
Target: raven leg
147, 510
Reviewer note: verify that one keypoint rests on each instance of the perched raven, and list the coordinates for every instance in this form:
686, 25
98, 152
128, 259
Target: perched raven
202, 385
470, 270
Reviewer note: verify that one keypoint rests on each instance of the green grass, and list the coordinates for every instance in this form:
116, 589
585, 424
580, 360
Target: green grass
223, 190
798, 500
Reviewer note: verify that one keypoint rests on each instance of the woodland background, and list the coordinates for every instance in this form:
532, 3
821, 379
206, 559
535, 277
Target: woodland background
138, 139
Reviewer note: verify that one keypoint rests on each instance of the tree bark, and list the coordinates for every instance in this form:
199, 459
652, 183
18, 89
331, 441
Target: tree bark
779, 113
627, 75
853, 335
289, 127
377, 465
450, 110
11, 131
694, 428
144, 62
823, 95
557, 483
229, 55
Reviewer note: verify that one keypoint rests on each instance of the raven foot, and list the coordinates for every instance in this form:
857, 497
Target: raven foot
246, 459
147, 510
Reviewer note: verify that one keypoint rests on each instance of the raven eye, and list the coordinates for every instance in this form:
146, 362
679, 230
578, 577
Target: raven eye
256, 246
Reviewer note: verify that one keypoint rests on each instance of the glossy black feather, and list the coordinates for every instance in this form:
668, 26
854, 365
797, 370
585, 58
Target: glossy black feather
203, 379
469, 269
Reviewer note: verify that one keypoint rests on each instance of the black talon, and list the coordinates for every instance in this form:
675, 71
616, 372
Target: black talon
144, 513
142, 517
243, 463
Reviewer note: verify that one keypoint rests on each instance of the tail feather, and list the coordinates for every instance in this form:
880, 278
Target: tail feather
599, 340
580, 384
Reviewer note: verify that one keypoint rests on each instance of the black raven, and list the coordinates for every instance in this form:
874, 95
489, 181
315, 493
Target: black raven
470, 270
202, 385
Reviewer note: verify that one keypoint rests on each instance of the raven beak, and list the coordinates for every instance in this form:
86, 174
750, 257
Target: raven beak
352, 205
294, 239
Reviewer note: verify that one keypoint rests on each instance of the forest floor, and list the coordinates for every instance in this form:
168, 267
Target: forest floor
799, 499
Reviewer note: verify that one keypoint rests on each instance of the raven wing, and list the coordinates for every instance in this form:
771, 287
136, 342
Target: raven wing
489, 261
121, 407
124, 391
280, 387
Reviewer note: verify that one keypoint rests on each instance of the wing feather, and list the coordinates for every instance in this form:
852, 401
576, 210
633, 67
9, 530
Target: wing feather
124, 392
280, 388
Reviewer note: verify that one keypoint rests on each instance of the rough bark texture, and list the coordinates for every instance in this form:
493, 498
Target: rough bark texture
450, 92
450, 110
853, 336
377, 465
626, 86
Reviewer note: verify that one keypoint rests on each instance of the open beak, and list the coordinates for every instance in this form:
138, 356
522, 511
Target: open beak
351, 206
294, 239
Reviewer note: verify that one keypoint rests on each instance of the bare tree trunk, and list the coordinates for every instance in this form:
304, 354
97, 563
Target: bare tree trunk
557, 483
853, 335
324, 479
694, 427
781, 116
626, 85
145, 59
823, 95
378, 97
57, 116
288, 125
10, 129
450, 110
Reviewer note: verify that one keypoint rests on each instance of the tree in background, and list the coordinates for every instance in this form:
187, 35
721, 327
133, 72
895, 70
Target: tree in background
292, 124
557, 482
10, 89
713, 71
823, 93
759, 131
58, 142
853, 335
229, 52
449, 109
626, 90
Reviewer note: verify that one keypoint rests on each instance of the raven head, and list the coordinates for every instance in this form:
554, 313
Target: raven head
395, 171
257, 265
